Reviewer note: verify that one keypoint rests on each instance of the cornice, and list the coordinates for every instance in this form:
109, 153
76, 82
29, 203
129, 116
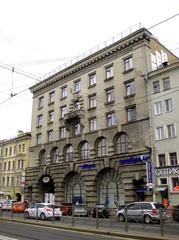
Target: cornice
105, 53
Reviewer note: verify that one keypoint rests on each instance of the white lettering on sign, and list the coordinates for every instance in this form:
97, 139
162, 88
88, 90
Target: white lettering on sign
167, 171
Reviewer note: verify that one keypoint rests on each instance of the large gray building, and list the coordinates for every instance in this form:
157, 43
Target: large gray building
90, 126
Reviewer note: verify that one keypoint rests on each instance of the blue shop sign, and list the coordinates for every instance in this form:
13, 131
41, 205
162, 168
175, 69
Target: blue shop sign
133, 160
88, 166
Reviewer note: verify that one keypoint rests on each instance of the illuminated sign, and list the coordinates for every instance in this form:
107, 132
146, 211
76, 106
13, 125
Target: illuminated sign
88, 166
167, 171
133, 160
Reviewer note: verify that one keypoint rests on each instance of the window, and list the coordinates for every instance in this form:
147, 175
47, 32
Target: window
163, 181
39, 138
10, 151
173, 158
63, 111
6, 152
62, 132
84, 151
52, 97
64, 92
40, 120
168, 105
14, 149
171, 130
77, 86
102, 147
13, 165
43, 157
129, 86
92, 79
50, 135
110, 95
41, 102
175, 182
9, 166
156, 87
166, 83
51, 116
92, 101
55, 155
20, 147
69, 153
157, 108
109, 72
77, 105
8, 181
92, 124
23, 147
159, 133
4, 166
77, 129
128, 63
122, 144
110, 119
131, 114
161, 160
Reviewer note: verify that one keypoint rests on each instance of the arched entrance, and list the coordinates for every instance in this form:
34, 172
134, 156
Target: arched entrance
18, 197
46, 185
110, 188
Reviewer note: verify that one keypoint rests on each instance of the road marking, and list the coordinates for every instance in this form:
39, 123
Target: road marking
7, 238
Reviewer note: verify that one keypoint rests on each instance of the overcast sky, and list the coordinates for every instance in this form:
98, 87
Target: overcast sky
37, 36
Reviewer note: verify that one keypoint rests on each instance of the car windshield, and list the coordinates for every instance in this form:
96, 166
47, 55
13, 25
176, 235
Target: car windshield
159, 205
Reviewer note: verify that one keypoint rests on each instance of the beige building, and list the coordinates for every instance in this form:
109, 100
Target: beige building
90, 126
163, 86
14, 157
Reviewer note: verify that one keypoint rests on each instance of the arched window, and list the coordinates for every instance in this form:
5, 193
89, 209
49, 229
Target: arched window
122, 144
69, 153
84, 151
43, 157
55, 155
102, 147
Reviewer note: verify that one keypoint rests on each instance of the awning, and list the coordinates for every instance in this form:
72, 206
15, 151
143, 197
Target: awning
160, 189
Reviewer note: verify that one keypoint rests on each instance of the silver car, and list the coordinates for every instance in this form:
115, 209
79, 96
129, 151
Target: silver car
146, 212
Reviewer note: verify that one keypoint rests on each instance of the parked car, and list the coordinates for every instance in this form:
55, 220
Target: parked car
18, 207
103, 211
66, 209
7, 204
146, 212
43, 211
80, 210
175, 213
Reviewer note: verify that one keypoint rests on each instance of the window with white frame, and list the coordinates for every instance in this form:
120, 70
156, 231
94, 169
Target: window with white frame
156, 87
41, 102
77, 85
39, 138
110, 95
52, 97
161, 160
51, 116
129, 86
110, 119
69, 153
168, 105
62, 132
173, 158
166, 83
63, 111
92, 124
128, 63
159, 133
174, 182
50, 135
109, 72
131, 114
64, 92
92, 101
84, 150
171, 130
122, 144
92, 79
102, 147
158, 108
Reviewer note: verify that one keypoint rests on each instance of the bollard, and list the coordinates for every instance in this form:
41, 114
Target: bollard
126, 223
161, 223
73, 219
53, 214
97, 219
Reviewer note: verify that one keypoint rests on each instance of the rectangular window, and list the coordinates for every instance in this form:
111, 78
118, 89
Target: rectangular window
128, 63
129, 86
6, 152
4, 166
92, 79
9, 166
156, 87
110, 95
157, 108
77, 129
40, 120
41, 102
92, 124
77, 86
8, 181
92, 101
13, 165
39, 138
109, 72
175, 182
14, 149
131, 114
161, 160
51, 116
171, 130
10, 151
63, 111
166, 83
163, 181
19, 164
50, 135
52, 97
110, 119
173, 158
62, 132
64, 92
159, 133
20, 147
23, 147
168, 105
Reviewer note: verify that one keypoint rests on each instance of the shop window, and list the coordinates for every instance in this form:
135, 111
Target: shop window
175, 184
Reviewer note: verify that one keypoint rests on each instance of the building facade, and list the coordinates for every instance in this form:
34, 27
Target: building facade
90, 127
163, 87
14, 157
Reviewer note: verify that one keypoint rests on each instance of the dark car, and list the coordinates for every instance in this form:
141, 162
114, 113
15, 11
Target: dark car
103, 211
175, 213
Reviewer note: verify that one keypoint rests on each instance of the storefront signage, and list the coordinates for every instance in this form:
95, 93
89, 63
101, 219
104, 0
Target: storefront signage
167, 171
88, 166
133, 160
149, 175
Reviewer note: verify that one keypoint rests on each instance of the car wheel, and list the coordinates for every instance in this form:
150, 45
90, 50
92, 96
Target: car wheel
42, 216
121, 218
26, 214
147, 219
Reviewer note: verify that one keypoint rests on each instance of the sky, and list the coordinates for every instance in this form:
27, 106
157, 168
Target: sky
38, 36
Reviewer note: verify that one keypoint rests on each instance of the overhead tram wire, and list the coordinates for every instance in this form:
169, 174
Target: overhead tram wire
155, 25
